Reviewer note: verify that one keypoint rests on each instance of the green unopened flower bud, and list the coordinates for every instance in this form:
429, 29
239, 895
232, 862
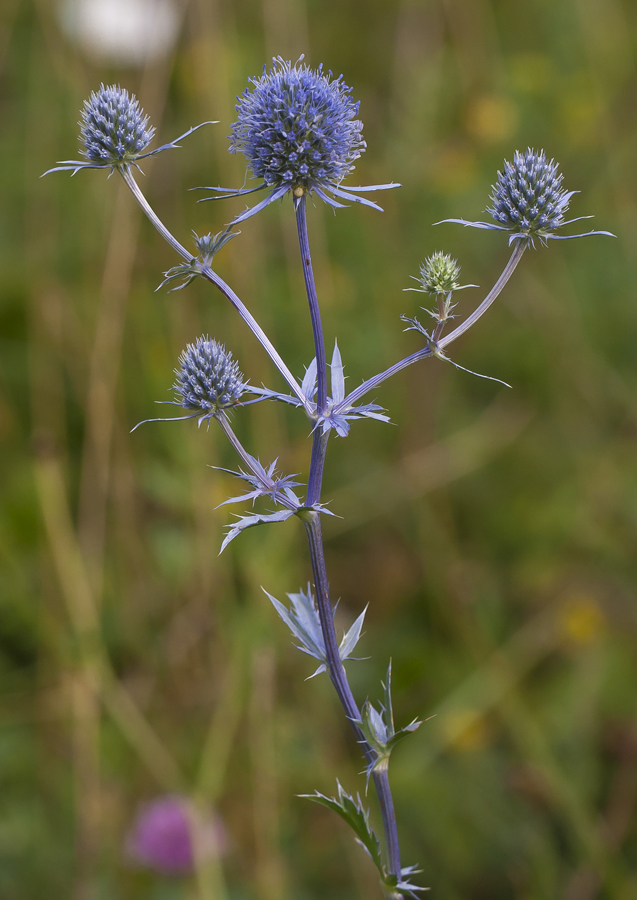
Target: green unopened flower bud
439, 274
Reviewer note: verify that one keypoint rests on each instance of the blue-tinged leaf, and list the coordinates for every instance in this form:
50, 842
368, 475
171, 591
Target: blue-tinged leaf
352, 637
337, 377
267, 394
399, 735
254, 520
303, 621
373, 187
329, 200
308, 385
276, 194
337, 192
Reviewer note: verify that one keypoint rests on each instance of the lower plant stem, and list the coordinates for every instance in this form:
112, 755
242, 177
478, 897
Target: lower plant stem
335, 667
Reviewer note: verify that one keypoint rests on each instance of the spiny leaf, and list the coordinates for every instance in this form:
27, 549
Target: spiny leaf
357, 817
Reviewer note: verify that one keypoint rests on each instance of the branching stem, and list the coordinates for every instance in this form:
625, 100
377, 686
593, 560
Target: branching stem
215, 279
372, 383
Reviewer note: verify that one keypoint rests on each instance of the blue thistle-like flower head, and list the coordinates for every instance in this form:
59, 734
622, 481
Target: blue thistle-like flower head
297, 127
298, 130
529, 201
208, 378
528, 198
115, 130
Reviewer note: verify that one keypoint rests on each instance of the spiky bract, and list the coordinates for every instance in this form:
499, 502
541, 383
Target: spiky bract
297, 127
528, 198
115, 130
208, 378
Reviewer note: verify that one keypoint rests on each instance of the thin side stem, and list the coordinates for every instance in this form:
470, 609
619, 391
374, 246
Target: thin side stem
315, 313
215, 279
376, 380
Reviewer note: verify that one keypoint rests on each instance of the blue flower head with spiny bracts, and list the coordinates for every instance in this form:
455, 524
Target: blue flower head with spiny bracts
298, 130
114, 132
529, 200
208, 378
114, 127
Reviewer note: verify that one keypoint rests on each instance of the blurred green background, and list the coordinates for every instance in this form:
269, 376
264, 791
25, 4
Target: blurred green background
492, 532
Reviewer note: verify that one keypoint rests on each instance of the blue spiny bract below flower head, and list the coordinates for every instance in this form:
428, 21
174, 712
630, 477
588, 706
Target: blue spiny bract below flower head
528, 198
115, 130
208, 378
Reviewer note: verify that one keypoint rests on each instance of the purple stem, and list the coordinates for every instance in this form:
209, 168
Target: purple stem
315, 313
335, 667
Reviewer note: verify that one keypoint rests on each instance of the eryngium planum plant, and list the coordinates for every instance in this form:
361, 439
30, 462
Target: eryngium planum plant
298, 130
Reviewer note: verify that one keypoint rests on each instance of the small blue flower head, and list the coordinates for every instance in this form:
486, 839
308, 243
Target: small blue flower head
208, 378
298, 130
529, 200
528, 197
114, 132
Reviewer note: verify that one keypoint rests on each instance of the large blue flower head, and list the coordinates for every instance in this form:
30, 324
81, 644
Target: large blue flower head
298, 130
297, 127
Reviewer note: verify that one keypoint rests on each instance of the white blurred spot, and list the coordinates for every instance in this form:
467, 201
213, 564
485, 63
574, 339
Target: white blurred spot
124, 32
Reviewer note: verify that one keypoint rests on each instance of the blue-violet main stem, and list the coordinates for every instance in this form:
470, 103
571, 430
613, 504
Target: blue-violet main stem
315, 313
335, 667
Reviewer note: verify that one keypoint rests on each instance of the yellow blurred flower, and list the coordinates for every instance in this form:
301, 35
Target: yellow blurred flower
466, 730
492, 119
581, 620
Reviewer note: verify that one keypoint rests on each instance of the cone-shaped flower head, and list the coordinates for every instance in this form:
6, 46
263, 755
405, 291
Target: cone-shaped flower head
528, 197
529, 201
298, 127
114, 133
208, 378
439, 274
115, 130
